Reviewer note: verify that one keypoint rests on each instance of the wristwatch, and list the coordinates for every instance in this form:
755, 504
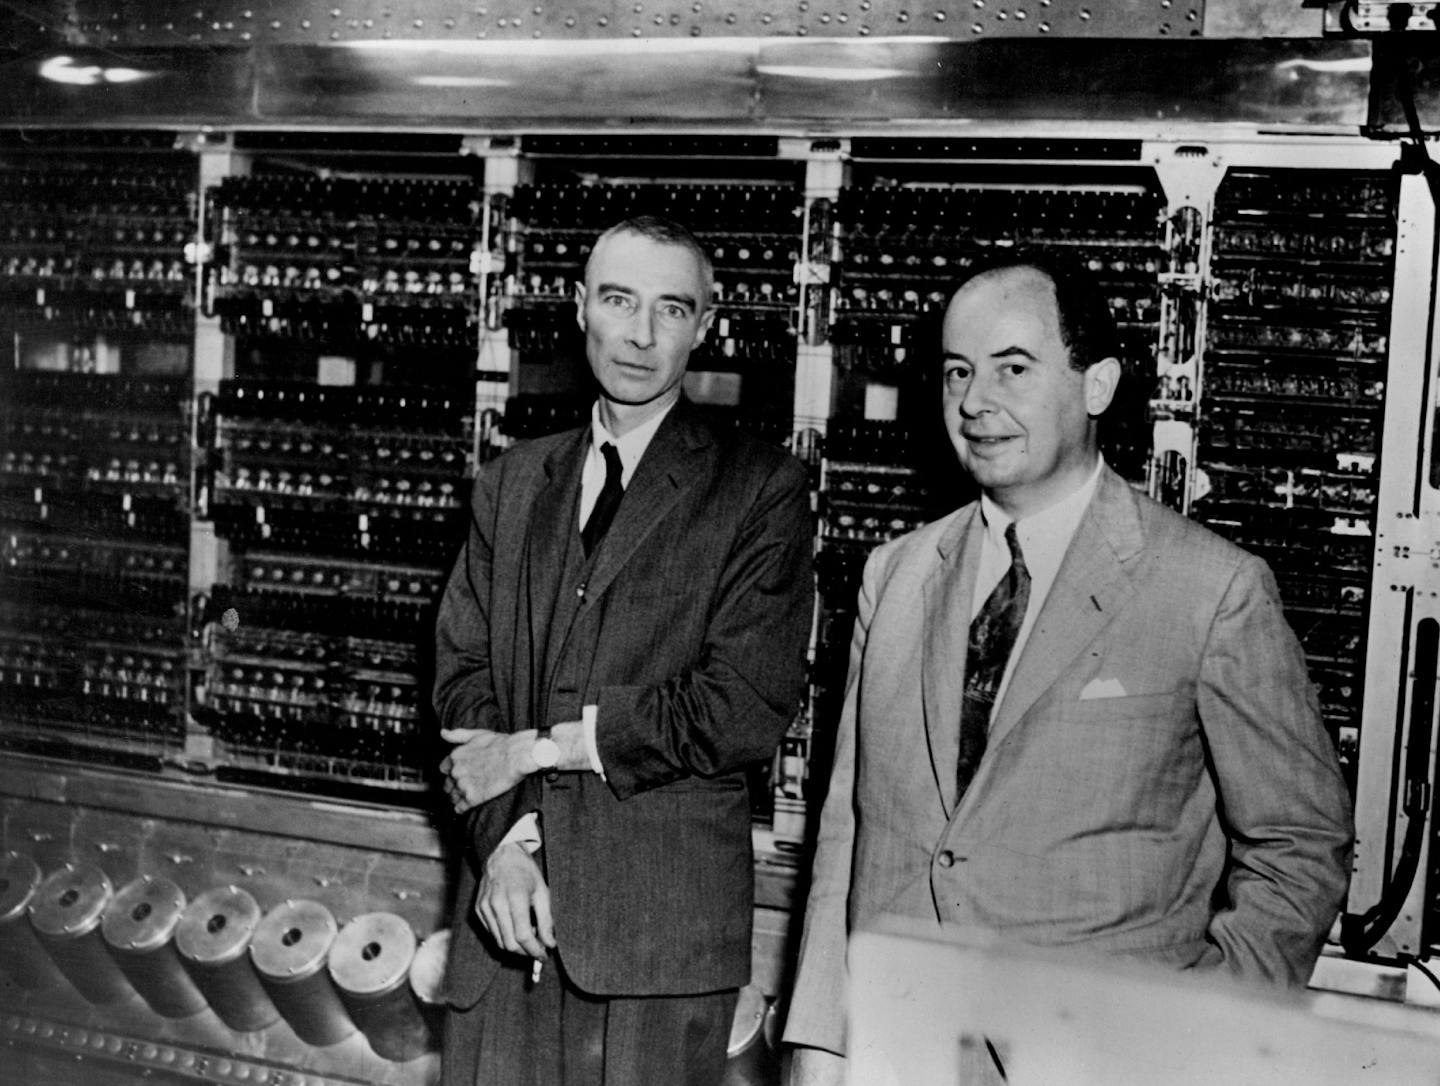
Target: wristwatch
546, 751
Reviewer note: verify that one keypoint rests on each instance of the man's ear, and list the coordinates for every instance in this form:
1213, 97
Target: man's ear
706, 320
1101, 380
580, 306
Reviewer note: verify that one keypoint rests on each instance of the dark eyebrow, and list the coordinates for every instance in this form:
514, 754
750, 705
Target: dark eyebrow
687, 300
1010, 352
1004, 352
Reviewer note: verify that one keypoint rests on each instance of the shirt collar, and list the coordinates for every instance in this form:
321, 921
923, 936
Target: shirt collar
1056, 522
633, 445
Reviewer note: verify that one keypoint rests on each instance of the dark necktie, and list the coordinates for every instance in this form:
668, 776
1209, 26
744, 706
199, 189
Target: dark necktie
992, 638
606, 503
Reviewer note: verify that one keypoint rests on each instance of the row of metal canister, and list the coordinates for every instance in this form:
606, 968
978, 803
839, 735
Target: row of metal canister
221, 951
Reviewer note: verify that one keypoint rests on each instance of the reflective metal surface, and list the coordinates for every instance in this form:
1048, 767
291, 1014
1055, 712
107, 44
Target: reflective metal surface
232, 22
777, 84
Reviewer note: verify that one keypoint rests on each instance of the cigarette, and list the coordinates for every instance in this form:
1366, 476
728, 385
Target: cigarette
535, 971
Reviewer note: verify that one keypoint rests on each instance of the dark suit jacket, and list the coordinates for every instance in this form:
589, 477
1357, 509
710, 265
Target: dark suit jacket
688, 630
1159, 748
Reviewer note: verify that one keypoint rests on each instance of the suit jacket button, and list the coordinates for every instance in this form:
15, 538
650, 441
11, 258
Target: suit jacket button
946, 859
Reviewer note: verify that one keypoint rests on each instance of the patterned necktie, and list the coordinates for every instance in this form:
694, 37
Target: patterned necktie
992, 637
607, 502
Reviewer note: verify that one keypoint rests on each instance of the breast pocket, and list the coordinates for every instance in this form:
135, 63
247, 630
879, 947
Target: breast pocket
1137, 753
1158, 707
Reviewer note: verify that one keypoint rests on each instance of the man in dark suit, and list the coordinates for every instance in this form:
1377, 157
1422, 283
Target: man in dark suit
623, 635
1073, 718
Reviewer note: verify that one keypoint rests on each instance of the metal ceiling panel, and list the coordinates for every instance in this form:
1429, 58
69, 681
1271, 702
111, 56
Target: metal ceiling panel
134, 23
780, 84
483, 83
142, 87
1301, 83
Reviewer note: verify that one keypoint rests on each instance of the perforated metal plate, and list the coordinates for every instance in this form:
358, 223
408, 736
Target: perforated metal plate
162, 23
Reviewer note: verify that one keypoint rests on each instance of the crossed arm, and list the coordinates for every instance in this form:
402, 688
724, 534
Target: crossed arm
727, 708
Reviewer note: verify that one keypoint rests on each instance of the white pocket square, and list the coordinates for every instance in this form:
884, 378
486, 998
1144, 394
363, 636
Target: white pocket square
1102, 688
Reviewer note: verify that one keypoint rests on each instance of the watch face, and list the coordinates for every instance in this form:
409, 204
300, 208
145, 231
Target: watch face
546, 753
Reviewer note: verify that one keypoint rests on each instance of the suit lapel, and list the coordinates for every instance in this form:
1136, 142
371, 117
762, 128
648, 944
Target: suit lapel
947, 602
668, 468
552, 521
1090, 587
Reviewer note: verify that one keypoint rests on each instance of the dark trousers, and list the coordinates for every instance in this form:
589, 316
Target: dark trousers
551, 1034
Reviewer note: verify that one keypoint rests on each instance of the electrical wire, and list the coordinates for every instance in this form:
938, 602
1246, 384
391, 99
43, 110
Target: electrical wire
1429, 975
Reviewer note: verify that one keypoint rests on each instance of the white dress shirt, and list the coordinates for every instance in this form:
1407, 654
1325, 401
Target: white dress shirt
1044, 538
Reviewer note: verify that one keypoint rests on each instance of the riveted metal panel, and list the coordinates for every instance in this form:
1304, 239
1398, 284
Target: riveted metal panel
238, 22
713, 83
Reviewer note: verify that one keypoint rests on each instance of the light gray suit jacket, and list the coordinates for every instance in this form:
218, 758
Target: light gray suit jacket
1160, 740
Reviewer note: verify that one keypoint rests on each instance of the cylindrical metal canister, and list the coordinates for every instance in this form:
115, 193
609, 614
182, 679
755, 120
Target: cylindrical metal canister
65, 914
22, 958
139, 929
213, 941
427, 981
370, 965
750, 1060
427, 970
289, 949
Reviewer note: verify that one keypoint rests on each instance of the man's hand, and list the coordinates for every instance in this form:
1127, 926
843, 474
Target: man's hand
484, 764
513, 903
815, 1067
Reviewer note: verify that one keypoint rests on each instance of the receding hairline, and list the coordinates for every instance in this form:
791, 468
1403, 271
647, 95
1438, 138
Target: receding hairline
989, 276
661, 232
1006, 271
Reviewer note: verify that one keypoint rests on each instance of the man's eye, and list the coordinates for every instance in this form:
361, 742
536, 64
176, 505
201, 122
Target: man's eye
1016, 369
617, 300
674, 312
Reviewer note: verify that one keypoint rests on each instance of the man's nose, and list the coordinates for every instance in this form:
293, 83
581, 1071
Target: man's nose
978, 396
642, 328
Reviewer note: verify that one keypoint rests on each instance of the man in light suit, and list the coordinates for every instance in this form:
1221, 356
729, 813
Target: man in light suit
606, 689
1146, 774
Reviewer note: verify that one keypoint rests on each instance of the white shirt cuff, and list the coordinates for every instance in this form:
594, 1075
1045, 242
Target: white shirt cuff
588, 715
525, 833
